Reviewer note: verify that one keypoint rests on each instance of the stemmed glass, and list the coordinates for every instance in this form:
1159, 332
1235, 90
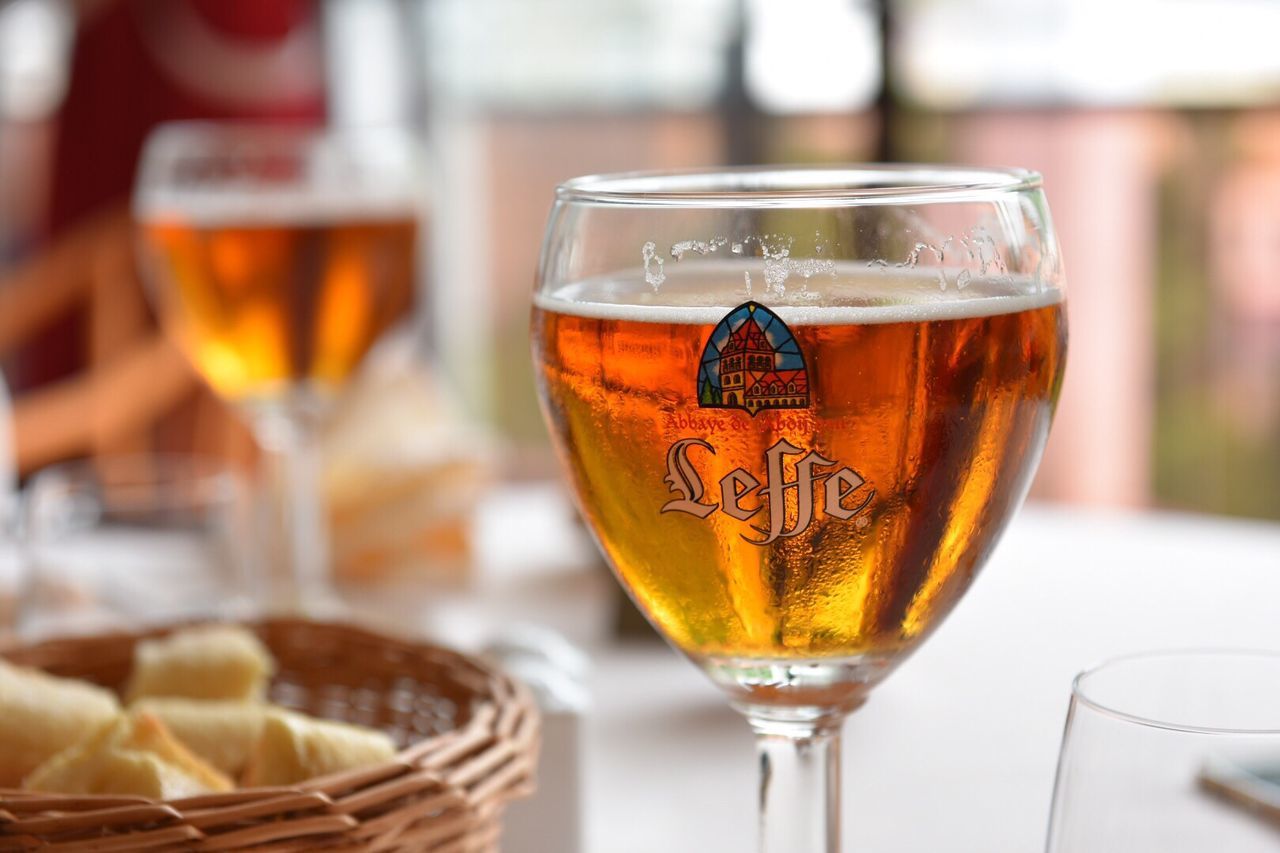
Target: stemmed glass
277, 256
1176, 751
117, 542
797, 407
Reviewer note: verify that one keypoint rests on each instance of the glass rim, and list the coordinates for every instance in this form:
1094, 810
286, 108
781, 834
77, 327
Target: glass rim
799, 185
1080, 695
215, 165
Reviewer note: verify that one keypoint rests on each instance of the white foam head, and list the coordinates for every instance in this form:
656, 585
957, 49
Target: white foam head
246, 206
851, 295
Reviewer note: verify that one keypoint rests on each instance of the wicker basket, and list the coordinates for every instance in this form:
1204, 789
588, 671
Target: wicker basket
468, 737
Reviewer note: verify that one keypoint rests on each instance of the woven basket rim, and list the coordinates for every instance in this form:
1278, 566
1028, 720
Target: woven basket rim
444, 787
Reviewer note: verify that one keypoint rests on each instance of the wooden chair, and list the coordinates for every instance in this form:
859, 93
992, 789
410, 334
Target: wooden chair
135, 391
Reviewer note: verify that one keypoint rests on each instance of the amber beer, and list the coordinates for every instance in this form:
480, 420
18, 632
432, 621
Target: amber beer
264, 301
843, 523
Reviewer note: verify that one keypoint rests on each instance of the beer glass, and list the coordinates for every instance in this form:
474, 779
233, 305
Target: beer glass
1173, 751
115, 543
277, 256
797, 407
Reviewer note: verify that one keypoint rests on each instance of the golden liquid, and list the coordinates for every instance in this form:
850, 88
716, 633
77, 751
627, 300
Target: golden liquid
261, 308
945, 419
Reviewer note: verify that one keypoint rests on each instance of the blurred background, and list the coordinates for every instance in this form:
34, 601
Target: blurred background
1156, 124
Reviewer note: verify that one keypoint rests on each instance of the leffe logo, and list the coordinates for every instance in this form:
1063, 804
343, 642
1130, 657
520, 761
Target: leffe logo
740, 486
752, 362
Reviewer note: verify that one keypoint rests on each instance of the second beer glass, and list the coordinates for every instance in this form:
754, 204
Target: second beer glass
277, 257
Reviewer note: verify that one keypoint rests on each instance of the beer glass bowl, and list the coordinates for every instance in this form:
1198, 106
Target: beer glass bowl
1175, 751
277, 256
797, 407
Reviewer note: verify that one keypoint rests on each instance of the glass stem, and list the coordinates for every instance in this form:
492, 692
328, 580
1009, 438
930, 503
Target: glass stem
799, 785
296, 535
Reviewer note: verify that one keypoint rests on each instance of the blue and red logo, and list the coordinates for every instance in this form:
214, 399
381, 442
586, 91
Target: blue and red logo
752, 362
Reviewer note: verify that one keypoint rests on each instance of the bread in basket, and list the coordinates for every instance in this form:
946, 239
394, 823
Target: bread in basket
468, 738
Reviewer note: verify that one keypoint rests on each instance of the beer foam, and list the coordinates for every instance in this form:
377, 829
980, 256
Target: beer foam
845, 299
247, 206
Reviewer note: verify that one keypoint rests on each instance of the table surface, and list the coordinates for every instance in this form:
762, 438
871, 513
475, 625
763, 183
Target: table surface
956, 750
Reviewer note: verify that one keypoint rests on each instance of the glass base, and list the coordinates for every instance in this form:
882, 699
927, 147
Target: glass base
796, 709
799, 691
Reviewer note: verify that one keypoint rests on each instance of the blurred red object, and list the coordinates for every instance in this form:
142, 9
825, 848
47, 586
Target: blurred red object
141, 62
136, 64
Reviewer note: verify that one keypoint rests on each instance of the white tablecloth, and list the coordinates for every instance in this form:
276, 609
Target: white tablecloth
956, 751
